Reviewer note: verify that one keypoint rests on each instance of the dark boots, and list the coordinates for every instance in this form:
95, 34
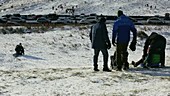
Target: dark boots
96, 67
106, 69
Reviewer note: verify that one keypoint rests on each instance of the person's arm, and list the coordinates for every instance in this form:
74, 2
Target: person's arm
114, 33
90, 35
22, 50
147, 43
106, 37
134, 31
16, 48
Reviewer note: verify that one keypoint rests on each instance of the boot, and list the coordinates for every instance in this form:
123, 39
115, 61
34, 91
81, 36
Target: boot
126, 66
96, 69
106, 69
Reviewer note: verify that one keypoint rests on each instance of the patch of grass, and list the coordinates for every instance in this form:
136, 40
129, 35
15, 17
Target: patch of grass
165, 78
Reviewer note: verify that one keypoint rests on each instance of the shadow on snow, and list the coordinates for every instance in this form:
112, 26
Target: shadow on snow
28, 57
32, 57
152, 71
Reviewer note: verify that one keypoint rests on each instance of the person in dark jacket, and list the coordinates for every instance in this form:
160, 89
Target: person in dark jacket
100, 42
121, 31
19, 49
154, 44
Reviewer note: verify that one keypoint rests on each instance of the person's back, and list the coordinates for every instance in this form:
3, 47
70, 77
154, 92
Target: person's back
99, 36
154, 51
100, 42
157, 42
122, 28
19, 49
121, 31
156, 45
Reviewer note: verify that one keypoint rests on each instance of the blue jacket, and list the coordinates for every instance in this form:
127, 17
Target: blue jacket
121, 29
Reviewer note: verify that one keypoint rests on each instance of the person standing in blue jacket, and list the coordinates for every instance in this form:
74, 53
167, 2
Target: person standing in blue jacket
121, 34
100, 42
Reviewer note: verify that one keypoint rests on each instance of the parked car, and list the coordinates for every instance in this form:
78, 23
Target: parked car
16, 19
62, 20
136, 22
31, 17
93, 14
88, 20
7, 15
155, 20
43, 20
3, 20
52, 16
17, 15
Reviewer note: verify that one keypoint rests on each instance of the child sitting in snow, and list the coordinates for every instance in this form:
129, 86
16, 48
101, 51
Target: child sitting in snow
154, 52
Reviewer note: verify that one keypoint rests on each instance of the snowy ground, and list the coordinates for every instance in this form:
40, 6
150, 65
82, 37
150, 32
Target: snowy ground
59, 63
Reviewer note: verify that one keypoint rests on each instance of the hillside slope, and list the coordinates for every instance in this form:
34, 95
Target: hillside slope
106, 7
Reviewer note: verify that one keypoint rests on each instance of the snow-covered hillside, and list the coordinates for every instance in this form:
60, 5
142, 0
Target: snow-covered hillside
106, 7
58, 61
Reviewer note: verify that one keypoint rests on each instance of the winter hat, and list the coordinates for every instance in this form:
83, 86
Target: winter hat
119, 13
102, 19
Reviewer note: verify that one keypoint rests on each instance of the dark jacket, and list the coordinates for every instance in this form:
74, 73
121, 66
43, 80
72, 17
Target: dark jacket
99, 36
19, 50
156, 42
121, 30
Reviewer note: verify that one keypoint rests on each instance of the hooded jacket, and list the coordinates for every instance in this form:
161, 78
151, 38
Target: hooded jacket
156, 42
99, 35
121, 30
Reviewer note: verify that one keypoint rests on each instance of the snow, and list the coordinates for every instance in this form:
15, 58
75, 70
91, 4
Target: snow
105, 7
58, 62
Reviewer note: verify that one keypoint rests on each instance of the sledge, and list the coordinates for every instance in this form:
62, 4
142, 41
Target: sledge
16, 55
152, 61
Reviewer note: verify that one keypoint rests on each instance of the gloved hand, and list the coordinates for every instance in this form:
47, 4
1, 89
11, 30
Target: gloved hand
113, 42
133, 46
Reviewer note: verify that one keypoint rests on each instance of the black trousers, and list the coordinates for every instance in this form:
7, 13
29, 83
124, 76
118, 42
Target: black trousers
105, 57
122, 55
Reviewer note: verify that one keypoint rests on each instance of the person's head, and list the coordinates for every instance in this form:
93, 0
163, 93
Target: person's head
154, 33
119, 13
20, 43
102, 19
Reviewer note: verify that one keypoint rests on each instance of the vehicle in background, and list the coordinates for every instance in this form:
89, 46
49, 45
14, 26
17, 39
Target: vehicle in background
43, 20
93, 14
31, 17
17, 15
88, 20
136, 22
62, 20
52, 16
155, 20
16, 19
3, 20
7, 15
